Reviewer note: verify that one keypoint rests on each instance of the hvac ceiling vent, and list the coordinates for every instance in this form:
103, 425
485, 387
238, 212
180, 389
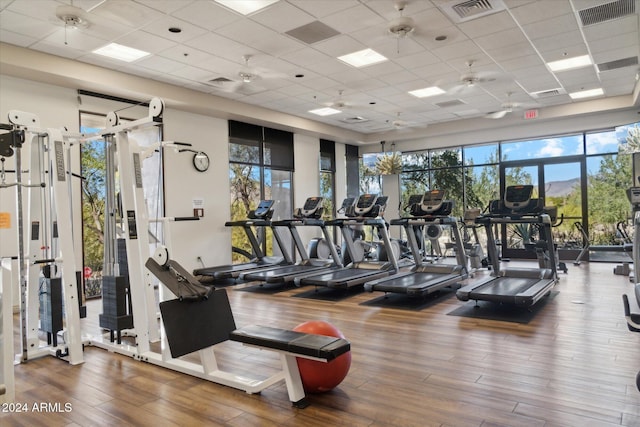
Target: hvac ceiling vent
354, 120
619, 63
547, 93
448, 104
218, 81
312, 32
607, 12
463, 11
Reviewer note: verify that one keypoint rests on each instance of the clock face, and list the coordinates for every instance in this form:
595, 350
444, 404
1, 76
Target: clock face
201, 161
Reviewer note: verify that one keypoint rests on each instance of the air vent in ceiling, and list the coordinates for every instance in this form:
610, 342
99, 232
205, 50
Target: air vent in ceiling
462, 11
218, 81
312, 32
619, 63
547, 93
353, 120
448, 104
607, 12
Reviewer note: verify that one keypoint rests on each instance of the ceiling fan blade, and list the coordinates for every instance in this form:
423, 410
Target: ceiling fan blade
496, 115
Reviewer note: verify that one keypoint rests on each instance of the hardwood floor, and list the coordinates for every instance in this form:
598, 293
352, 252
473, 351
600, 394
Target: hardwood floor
573, 364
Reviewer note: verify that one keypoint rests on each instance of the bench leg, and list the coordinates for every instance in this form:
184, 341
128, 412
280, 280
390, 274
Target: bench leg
293, 381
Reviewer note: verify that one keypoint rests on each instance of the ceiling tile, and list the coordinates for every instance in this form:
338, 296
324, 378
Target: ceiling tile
271, 17
206, 14
486, 25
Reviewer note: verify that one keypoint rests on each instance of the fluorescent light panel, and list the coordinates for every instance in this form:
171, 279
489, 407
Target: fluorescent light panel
586, 93
570, 63
245, 7
326, 111
427, 91
362, 58
120, 52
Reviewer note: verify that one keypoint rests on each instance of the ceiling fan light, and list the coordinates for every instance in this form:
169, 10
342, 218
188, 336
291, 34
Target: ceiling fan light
401, 27
246, 77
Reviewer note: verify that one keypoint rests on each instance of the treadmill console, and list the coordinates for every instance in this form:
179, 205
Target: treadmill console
263, 211
432, 204
517, 201
633, 194
312, 208
517, 197
365, 204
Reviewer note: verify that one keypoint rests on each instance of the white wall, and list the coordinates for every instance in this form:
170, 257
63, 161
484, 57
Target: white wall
207, 238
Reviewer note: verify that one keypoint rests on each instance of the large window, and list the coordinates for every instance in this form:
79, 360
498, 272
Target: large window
581, 174
260, 168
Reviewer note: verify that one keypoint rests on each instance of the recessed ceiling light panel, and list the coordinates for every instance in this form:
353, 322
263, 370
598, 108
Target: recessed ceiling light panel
362, 58
246, 7
427, 91
587, 93
570, 63
121, 52
326, 111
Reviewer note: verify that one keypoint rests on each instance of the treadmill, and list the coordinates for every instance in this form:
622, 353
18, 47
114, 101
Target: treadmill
367, 210
425, 278
517, 286
308, 215
260, 217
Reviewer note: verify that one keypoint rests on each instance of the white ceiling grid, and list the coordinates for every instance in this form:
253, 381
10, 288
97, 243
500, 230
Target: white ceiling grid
510, 47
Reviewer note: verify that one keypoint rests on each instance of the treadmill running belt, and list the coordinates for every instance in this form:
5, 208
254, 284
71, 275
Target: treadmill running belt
419, 283
505, 286
340, 278
281, 274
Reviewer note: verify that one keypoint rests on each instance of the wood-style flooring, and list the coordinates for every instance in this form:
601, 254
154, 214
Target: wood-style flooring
573, 364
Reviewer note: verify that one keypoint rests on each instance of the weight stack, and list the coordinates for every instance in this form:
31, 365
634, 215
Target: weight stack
50, 297
116, 306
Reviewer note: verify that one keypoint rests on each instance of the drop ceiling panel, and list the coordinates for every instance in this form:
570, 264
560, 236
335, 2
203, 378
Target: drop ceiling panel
161, 28
615, 53
17, 23
622, 25
495, 23
322, 8
45, 10
125, 12
145, 41
166, 6
557, 25
537, 11
16, 39
619, 41
501, 39
271, 17
339, 45
466, 49
558, 41
206, 14
354, 19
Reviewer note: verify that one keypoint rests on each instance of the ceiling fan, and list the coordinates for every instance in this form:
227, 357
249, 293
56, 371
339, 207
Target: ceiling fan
245, 81
339, 103
399, 124
507, 107
471, 79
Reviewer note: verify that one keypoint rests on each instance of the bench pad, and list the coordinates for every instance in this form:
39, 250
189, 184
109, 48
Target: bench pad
319, 346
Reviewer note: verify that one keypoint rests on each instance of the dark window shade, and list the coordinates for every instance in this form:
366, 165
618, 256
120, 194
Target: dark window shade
327, 155
245, 131
278, 149
353, 170
351, 151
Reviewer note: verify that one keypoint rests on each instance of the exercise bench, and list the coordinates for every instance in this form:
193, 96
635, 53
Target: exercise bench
197, 322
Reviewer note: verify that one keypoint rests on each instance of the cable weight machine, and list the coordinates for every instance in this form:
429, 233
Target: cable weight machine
46, 252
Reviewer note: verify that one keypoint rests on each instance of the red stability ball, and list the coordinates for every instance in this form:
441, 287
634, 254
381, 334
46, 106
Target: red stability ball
319, 377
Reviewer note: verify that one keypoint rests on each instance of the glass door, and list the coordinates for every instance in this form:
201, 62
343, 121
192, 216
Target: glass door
560, 185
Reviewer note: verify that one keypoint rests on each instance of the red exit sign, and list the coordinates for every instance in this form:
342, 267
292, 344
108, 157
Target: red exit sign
531, 114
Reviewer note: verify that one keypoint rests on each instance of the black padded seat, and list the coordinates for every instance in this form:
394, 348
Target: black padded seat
311, 345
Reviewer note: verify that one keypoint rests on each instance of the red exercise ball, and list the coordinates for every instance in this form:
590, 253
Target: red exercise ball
319, 377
